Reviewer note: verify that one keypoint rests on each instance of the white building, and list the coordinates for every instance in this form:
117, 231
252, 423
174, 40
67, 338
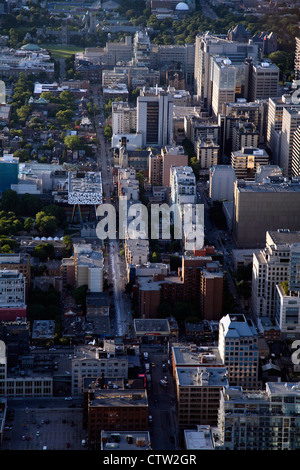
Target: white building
271, 266
183, 185
12, 289
238, 347
89, 266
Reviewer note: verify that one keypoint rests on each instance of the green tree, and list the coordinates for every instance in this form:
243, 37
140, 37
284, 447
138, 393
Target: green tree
28, 224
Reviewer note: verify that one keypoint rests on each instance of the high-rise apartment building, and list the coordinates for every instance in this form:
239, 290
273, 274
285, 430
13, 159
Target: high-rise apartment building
155, 117
238, 347
123, 118
271, 267
183, 185
260, 420
208, 152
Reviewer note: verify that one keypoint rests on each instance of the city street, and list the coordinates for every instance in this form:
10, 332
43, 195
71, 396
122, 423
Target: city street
163, 430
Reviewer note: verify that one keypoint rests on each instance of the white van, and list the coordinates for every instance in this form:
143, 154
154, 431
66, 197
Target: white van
83, 443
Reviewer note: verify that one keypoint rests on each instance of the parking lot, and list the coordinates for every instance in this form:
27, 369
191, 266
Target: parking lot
36, 429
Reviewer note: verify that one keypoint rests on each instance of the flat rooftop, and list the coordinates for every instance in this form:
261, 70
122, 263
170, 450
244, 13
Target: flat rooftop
136, 440
200, 376
184, 356
276, 185
120, 398
286, 237
143, 326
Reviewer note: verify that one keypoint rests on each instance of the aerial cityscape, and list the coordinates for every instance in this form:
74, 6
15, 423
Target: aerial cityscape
149, 227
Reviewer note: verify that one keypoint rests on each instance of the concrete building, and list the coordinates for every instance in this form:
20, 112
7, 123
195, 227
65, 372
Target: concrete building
238, 346
17, 262
172, 156
274, 124
136, 251
183, 185
244, 134
209, 45
271, 267
208, 152
155, 116
223, 83
12, 295
246, 161
290, 124
96, 362
263, 80
89, 266
221, 182
260, 420
204, 438
259, 207
123, 118
197, 391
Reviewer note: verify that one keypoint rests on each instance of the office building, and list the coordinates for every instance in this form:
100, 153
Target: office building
95, 362
223, 83
155, 117
246, 161
259, 207
263, 81
9, 170
290, 124
238, 347
197, 391
221, 183
260, 420
207, 46
116, 410
17, 262
274, 124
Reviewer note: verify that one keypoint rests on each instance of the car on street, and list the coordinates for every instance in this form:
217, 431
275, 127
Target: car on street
68, 398
37, 433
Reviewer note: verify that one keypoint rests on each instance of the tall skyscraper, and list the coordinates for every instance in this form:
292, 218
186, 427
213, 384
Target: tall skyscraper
207, 46
290, 124
155, 116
